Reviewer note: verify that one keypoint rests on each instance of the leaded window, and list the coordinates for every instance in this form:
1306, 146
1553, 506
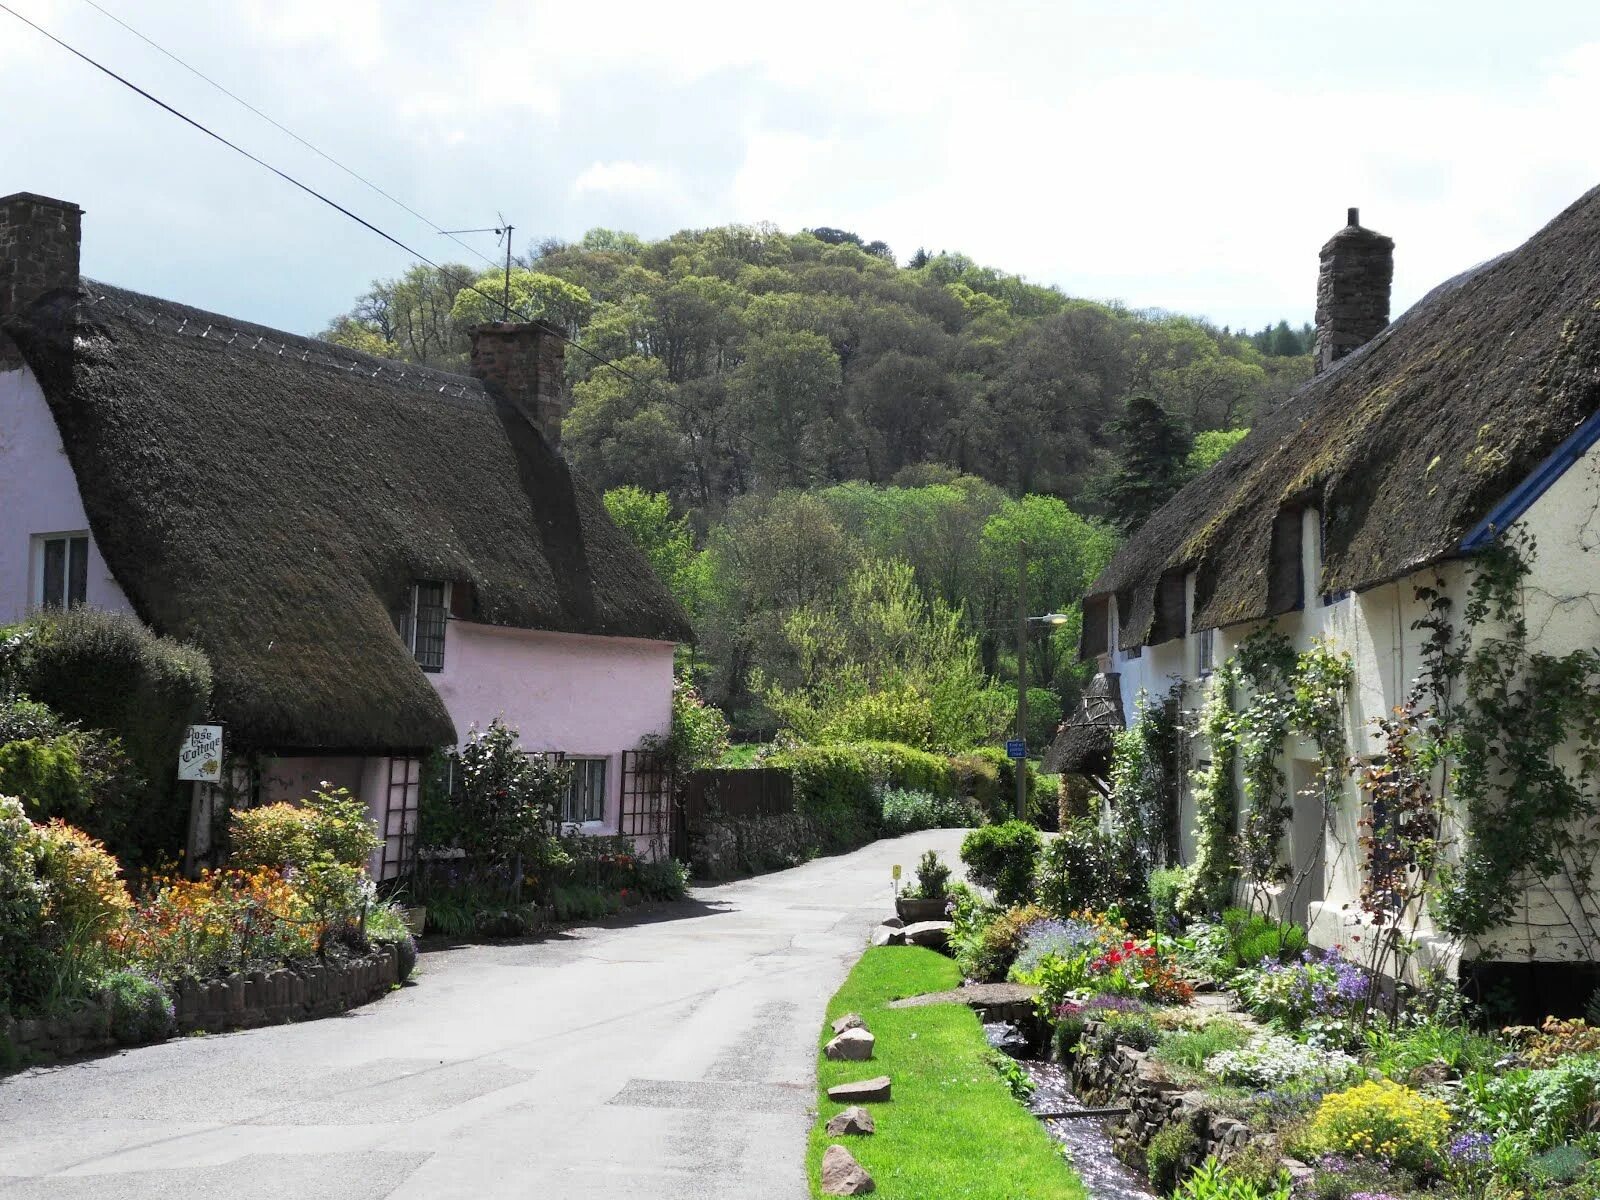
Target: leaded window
422, 623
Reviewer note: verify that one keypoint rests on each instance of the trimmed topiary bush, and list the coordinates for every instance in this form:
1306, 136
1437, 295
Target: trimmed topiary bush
1003, 858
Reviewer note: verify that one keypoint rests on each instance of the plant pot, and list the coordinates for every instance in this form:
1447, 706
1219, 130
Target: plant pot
416, 919
911, 911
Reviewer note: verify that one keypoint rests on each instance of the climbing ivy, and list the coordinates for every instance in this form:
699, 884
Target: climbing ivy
1144, 782
1212, 874
1266, 663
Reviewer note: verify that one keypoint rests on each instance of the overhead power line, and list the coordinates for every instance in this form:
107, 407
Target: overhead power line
282, 128
466, 285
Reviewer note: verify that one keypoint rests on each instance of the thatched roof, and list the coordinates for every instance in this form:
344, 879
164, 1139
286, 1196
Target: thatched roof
1402, 446
1083, 744
272, 498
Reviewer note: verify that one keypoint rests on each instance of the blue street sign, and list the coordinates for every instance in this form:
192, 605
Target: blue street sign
1016, 748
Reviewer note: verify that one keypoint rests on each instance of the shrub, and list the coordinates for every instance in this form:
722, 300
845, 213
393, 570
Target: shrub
1384, 1120
662, 879
324, 844
46, 773
1274, 1061
223, 922
141, 1010
987, 950
833, 792
1166, 1151
1251, 937
893, 765
1318, 989
1559, 1039
24, 958
85, 893
1080, 868
1003, 858
910, 811
1192, 1048
990, 777
1546, 1106
933, 878
107, 671
1166, 886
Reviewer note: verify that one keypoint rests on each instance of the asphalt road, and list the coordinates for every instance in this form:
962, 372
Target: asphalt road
667, 1056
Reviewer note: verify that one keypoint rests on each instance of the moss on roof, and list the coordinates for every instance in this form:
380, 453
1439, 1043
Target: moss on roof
271, 498
1403, 446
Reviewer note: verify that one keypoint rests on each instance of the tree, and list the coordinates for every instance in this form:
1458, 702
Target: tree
666, 541
1209, 447
1150, 462
532, 296
786, 393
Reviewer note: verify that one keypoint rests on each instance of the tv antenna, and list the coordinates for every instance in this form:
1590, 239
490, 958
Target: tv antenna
502, 230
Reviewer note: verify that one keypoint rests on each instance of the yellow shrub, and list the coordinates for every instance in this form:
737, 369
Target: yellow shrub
275, 835
85, 893
1384, 1120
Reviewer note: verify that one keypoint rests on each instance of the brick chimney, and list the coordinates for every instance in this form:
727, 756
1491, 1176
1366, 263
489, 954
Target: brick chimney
1352, 290
39, 243
520, 363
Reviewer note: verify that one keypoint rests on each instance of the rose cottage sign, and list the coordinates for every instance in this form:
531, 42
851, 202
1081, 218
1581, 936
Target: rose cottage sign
200, 757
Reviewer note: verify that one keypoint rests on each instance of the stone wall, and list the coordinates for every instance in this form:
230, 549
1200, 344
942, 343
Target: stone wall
1126, 1077
1353, 282
241, 1001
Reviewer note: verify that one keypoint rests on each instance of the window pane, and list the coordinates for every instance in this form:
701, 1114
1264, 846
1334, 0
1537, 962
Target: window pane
77, 571
430, 625
55, 572
586, 791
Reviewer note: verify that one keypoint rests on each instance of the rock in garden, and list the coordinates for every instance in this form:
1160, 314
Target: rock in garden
853, 1045
842, 1175
888, 935
894, 922
849, 1021
854, 1119
933, 934
865, 1091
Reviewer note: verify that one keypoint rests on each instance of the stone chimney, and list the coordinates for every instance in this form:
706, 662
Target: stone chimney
1352, 290
39, 242
520, 363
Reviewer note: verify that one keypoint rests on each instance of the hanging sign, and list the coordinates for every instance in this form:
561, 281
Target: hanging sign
1016, 748
200, 757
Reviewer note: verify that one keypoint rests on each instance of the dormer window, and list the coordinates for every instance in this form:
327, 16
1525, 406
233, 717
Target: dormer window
422, 623
60, 570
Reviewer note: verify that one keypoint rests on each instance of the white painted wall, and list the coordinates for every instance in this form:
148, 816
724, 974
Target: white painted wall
1375, 628
38, 495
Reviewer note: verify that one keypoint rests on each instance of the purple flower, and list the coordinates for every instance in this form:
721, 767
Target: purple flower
1334, 1164
1472, 1148
1110, 1002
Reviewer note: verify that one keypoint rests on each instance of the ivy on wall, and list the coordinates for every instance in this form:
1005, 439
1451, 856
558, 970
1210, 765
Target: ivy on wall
1214, 870
1144, 781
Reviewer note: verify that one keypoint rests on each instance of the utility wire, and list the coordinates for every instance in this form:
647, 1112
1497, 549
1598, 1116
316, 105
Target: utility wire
282, 128
388, 237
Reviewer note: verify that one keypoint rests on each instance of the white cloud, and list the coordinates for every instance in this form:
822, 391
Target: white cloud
621, 177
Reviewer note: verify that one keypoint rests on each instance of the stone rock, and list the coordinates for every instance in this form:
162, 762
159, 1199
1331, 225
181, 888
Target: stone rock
854, 1119
894, 923
853, 1045
842, 1175
864, 1091
935, 935
888, 935
849, 1021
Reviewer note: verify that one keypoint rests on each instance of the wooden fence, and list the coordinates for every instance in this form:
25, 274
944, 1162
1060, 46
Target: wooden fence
745, 792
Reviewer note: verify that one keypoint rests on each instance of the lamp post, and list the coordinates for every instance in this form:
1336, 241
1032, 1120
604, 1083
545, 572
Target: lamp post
1023, 622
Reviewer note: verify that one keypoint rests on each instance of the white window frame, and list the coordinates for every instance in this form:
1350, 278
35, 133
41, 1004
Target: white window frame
583, 767
408, 633
37, 571
1205, 655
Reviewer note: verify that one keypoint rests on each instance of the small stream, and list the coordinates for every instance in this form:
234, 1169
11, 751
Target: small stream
1087, 1144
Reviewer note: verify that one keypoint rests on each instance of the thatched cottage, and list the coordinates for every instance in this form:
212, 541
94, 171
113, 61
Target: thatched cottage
376, 556
1471, 418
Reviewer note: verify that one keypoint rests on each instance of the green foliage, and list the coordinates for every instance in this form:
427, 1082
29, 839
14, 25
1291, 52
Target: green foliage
933, 878
1003, 858
1165, 1152
907, 811
1167, 887
326, 842
699, 736
1017, 1081
1209, 447
141, 1010
1216, 802
1190, 1048
1081, 868
24, 958
833, 792
107, 672
667, 542
48, 776
533, 296
1144, 789
1547, 1107
506, 803
987, 941
1149, 471
1213, 1181
1251, 937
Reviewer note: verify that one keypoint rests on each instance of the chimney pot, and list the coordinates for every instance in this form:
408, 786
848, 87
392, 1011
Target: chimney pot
1357, 269
40, 242
521, 364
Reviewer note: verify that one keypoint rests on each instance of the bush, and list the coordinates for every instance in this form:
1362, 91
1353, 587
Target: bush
662, 879
1384, 1120
24, 959
1166, 1151
933, 878
86, 897
1080, 870
59, 770
910, 811
1546, 1106
1003, 858
1166, 886
1062, 937
892, 765
990, 778
1270, 1060
221, 923
107, 671
141, 1010
833, 792
1252, 937
325, 842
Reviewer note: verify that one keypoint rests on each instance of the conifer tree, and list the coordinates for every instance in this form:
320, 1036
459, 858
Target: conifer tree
1150, 464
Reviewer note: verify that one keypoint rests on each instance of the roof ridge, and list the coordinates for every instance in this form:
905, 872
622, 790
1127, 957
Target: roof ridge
311, 350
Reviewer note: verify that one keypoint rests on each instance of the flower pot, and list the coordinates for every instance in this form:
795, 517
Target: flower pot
911, 911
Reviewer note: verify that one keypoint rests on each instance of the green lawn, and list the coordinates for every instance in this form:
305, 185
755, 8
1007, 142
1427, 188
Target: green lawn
952, 1131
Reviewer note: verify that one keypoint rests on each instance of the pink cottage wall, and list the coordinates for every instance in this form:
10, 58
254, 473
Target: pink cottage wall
38, 495
589, 697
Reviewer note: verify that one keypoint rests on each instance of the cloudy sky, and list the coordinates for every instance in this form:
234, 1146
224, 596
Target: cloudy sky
1190, 156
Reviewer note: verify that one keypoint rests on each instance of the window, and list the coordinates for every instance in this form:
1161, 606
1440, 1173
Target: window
60, 570
1203, 652
586, 791
1130, 655
422, 623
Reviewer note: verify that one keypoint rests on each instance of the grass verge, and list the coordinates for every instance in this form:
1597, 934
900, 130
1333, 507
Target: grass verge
952, 1131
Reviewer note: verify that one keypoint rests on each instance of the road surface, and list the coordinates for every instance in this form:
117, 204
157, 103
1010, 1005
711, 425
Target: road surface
668, 1056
